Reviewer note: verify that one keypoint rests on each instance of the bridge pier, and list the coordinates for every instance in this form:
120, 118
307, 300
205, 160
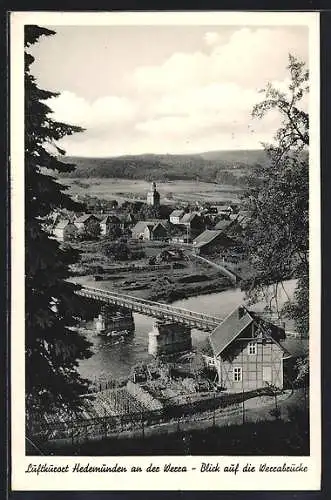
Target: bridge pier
114, 318
169, 338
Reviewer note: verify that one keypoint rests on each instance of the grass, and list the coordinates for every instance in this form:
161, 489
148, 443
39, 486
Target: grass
122, 189
167, 285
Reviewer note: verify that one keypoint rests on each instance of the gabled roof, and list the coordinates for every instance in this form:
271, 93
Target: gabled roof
140, 226
84, 218
176, 213
235, 323
208, 236
222, 225
158, 224
62, 224
108, 219
229, 329
151, 224
157, 221
125, 217
188, 217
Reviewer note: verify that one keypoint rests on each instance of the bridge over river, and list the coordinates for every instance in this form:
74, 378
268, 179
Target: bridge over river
158, 310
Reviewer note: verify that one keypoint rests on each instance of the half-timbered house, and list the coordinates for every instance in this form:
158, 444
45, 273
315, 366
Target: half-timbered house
246, 352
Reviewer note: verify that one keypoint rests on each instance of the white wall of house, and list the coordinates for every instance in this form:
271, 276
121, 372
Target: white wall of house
59, 234
174, 219
66, 233
104, 228
147, 234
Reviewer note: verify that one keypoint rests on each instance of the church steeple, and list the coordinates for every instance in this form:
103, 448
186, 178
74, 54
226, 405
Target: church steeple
153, 196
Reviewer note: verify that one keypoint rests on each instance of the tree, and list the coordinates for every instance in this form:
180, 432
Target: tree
114, 232
89, 232
277, 235
52, 349
148, 212
117, 250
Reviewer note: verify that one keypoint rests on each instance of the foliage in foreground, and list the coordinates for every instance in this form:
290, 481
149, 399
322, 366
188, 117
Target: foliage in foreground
273, 437
278, 199
52, 349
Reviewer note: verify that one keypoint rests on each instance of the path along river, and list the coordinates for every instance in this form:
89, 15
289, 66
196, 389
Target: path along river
113, 358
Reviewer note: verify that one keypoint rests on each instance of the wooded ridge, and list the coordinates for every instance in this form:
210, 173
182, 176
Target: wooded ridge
214, 166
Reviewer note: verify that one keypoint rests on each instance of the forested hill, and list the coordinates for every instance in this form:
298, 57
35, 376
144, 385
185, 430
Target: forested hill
222, 166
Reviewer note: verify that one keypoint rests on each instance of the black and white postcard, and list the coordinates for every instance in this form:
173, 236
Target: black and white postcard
165, 215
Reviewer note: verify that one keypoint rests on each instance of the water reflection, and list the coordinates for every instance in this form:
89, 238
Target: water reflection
115, 358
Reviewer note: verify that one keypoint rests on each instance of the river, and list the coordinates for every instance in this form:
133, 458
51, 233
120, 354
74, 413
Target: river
115, 359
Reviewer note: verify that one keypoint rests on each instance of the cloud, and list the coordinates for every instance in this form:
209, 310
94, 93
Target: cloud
211, 38
250, 57
106, 110
191, 101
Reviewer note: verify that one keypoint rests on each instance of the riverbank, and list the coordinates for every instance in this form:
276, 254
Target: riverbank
156, 271
115, 360
170, 286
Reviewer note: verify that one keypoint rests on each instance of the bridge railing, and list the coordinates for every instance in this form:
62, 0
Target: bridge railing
94, 292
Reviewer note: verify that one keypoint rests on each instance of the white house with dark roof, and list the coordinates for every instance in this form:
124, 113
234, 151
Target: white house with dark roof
149, 230
87, 221
107, 222
247, 352
65, 230
175, 216
191, 219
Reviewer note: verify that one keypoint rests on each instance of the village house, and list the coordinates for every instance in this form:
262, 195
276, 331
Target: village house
149, 230
211, 241
107, 223
193, 221
230, 227
246, 352
88, 222
223, 225
65, 230
127, 220
175, 216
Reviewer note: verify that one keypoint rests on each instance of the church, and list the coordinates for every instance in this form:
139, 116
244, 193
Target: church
153, 196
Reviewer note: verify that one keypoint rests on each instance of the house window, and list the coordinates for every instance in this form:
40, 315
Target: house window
237, 374
252, 348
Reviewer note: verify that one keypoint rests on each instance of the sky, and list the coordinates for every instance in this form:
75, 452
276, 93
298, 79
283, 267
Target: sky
164, 89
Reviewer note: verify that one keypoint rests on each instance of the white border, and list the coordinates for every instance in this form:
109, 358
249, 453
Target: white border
193, 480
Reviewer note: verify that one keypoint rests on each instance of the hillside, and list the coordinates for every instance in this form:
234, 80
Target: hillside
244, 156
215, 166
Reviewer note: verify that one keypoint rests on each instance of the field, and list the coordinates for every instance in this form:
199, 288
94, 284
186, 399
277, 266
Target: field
171, 191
